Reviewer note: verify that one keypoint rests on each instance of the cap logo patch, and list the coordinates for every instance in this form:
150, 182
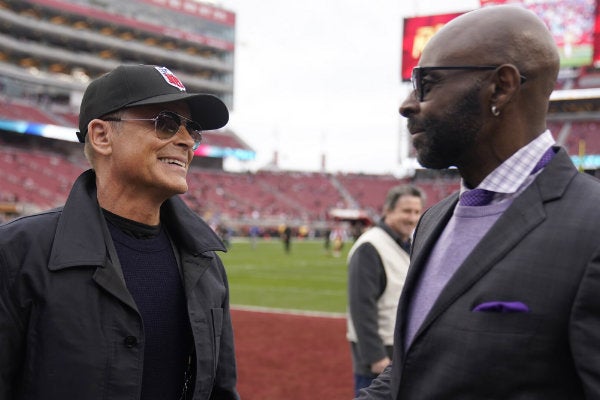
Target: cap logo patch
170, 78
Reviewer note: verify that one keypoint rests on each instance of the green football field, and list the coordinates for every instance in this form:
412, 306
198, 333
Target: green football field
308, 278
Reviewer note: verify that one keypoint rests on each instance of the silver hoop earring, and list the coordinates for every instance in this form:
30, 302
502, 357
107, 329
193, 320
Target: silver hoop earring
495, 111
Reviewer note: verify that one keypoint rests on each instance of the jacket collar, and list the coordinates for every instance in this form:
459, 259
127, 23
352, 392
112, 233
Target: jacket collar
79, 238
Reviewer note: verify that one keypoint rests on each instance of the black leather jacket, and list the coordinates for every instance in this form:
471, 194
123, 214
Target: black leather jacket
69, 329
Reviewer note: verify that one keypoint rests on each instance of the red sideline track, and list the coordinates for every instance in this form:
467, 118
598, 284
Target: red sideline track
285, 356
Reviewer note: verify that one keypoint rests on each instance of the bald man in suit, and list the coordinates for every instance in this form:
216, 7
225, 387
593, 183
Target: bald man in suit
502, 298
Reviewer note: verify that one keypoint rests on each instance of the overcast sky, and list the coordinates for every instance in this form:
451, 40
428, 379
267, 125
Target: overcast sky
317, 77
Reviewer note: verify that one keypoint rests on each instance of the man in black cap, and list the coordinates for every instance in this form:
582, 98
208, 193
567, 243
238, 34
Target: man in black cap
119, 294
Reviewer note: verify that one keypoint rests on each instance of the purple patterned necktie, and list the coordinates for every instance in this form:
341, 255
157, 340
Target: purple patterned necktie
482, 197
476, 197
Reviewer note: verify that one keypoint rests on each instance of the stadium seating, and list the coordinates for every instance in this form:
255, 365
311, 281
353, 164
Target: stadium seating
24, 111
369, 191
573, 134
587, 133
70, 118
41, 179
34, 178
274, 195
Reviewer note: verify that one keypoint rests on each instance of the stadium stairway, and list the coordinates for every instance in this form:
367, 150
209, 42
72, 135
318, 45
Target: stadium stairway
348, 198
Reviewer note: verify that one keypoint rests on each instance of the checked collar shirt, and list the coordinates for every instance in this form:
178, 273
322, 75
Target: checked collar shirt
514, 175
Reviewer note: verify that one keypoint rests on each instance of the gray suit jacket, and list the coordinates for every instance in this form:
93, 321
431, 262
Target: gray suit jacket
543, 252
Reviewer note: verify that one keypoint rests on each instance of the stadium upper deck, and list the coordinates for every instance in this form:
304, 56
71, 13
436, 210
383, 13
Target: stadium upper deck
55, 46
50, 49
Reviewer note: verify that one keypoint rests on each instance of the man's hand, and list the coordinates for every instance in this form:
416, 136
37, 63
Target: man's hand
378, 366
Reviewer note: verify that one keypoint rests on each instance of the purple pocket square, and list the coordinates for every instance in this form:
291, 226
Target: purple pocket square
502, 307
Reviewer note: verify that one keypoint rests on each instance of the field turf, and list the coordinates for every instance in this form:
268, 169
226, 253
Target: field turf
309, 278
281, 344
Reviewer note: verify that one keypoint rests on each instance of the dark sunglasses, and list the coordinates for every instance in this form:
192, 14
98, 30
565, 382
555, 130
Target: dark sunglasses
167, 124
419, 72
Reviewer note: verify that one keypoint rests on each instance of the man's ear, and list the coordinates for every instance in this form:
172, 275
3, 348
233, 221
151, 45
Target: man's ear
100, 136
507, 84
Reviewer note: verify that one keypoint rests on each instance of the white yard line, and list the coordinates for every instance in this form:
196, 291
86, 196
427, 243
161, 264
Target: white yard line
321, 314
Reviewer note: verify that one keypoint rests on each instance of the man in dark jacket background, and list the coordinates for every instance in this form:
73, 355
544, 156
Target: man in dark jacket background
119, 294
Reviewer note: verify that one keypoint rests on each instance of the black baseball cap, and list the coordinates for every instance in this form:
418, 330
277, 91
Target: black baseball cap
136, 85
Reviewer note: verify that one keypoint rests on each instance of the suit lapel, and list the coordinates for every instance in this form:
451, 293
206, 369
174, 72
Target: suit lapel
427, 232
193, 269
111, 280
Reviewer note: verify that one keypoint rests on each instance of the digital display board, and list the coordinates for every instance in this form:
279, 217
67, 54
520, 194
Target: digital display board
417, 32
571, 22
574, 24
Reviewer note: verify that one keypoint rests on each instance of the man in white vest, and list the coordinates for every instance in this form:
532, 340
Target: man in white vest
377, 266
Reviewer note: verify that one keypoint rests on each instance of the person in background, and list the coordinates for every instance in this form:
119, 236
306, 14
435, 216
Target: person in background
327, 240
286, 237
501, 298
224, 233
377, 266
254, 233
337, 238
120, 294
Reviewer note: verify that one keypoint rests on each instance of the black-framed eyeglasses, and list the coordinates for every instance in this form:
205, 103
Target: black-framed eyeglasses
167, 124
419, 72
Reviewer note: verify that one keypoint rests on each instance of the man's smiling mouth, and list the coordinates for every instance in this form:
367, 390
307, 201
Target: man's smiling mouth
173, 161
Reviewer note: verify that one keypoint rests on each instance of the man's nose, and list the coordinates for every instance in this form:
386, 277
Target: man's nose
409, 106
